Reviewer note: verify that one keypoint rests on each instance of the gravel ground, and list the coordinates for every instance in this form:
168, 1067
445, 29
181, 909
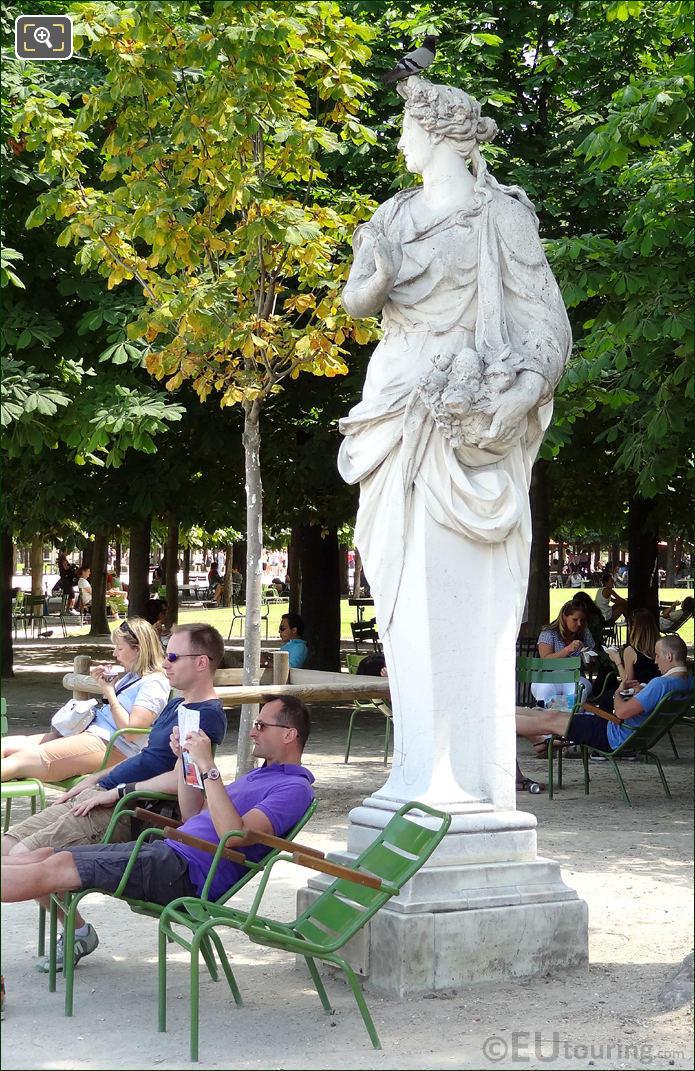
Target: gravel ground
632, 866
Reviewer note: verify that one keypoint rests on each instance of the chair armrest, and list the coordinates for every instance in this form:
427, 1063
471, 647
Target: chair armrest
283, 845
114, 738
124, 807
174, 833
591, 709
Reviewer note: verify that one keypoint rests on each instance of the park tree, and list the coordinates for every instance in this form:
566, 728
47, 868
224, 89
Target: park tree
211, 124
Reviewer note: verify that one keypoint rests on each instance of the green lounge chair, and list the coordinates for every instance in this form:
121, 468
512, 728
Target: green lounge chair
552, 671
666, 713
326, 926
71, 901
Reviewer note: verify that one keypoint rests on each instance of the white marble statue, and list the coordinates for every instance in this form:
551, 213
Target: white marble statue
455, 403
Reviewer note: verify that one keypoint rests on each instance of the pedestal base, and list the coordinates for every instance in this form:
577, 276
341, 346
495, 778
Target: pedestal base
483, 908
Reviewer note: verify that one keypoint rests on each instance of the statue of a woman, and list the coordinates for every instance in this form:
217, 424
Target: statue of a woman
455, 403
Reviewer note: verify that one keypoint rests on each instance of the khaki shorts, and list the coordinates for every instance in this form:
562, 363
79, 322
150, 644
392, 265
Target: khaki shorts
73, 756
58, 827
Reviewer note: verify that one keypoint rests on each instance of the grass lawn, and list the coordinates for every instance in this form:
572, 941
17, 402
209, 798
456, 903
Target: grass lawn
221, 619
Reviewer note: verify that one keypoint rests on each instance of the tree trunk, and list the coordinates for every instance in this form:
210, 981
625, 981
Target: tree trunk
319, 556
643, 574
343, 571
561, 556
239, 562
538, 594
7, 554
615, 554
100, 549
118, 559
186, 565
670, 581
139, 568
171, 572
87, 555
227, 586
357, 576
254, 552
37, 564
294, 571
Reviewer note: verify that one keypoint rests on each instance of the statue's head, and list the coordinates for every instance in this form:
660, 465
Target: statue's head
446, 114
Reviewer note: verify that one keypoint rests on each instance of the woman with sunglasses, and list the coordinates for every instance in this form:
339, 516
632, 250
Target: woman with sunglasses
133, 700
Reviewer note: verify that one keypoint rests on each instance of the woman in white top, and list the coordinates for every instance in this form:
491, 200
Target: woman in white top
85, 588
133, 701
611, 605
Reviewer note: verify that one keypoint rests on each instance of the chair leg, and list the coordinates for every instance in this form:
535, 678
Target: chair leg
8, 813
52, 942
227, 968
387, 737
551, 791
209, 957
349, 735
585, 764
318, 983
559, 767
655, 759
361, 1002
194, 995
673, 744
621, 783
41, 945
162, 980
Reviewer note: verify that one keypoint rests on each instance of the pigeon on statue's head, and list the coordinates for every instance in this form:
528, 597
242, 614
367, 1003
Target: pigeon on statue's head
413, 62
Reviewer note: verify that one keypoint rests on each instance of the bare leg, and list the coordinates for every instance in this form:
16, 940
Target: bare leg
53, 872
12, 744
532, 725
26, 763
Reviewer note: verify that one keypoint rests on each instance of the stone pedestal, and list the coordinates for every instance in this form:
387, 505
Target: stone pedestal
483, 908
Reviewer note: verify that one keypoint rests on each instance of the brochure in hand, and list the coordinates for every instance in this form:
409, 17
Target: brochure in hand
189, 722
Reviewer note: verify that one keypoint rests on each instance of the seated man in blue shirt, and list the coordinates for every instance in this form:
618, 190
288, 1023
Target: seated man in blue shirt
81, 816
594, 731
291, 632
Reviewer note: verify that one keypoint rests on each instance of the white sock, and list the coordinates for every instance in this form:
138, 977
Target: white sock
82, 931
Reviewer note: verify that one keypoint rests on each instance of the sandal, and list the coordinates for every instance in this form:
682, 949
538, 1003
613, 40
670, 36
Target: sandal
527, 785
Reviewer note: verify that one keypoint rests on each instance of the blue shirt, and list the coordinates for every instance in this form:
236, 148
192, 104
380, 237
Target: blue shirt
648, 698
298, 651
158, 757
282, 791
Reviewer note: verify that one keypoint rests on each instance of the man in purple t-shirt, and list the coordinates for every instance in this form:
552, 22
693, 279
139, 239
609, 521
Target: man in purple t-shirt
271, 799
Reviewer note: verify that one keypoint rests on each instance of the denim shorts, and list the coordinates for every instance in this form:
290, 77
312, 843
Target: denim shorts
159, 876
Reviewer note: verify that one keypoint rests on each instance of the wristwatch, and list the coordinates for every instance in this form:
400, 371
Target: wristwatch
121, 789
213, 773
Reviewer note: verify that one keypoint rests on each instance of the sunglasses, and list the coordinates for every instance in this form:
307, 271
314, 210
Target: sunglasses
171, 657
259, 725
125, 627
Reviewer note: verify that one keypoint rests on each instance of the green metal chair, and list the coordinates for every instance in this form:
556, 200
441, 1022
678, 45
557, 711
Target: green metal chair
552, 671
360, 706
71, 901
671, 709
326, 926
33, 790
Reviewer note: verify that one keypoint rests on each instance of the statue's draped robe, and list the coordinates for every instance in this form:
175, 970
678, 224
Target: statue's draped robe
444, 524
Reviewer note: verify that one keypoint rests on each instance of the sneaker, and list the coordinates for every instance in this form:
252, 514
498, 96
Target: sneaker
75, 613
83, 947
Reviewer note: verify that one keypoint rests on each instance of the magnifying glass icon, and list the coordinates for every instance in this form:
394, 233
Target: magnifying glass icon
42, 36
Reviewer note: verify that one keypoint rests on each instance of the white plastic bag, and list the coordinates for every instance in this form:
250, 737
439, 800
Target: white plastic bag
74, 716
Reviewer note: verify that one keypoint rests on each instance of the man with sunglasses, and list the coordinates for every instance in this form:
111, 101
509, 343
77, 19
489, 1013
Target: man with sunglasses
81, 816
270, 799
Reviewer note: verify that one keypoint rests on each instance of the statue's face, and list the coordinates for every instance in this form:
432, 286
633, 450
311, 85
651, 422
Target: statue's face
415, 144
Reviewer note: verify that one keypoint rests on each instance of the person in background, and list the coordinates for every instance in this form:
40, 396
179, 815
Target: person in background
611, 605
671, 619
565, 637
637, 660
291, 632
84, 589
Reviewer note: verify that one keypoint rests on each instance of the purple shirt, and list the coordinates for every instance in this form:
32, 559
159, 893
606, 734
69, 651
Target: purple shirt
282, 792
